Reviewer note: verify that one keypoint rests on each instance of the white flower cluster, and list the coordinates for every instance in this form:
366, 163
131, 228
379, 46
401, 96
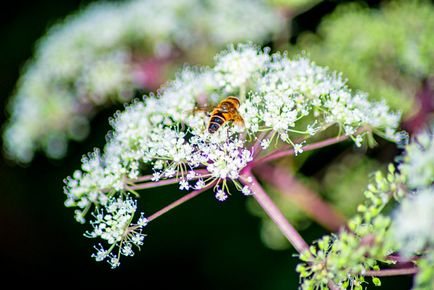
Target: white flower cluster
114, 225
90, 185
107, 51
165, 133
164, 137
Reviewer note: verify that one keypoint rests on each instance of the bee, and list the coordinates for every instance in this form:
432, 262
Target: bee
225, 111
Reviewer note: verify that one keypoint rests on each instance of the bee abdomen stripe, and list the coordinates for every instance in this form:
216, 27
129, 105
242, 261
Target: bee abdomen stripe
217, 119
213, 127
218, 114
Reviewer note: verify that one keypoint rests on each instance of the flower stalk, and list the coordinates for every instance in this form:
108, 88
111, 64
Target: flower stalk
274, 212
178, 202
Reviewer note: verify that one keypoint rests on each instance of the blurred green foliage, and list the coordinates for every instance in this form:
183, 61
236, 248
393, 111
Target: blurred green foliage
345, 179
387, 52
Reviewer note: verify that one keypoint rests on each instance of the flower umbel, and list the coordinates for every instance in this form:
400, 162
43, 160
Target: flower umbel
113, 224
161, 140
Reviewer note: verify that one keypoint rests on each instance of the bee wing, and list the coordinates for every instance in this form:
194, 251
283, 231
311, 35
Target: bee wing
238, 121
205, 109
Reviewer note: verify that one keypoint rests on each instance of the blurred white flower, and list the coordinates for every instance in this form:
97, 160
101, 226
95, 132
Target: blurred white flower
106, 52
413, 223
418, 163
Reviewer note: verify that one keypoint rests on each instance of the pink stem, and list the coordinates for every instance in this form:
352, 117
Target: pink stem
281, 153
153, 184
278, 218
392, 272
274, 213
309, 201
179, 202
255, 147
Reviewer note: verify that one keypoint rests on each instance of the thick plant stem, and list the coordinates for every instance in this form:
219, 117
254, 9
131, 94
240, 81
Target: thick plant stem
278, 218
312, 204
274, 213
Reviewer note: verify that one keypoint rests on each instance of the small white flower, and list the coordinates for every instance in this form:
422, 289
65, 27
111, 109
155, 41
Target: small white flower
79, 217
183, 185
284, 136
191, 175
246, 190
114, 261
127, 250
265, 143
298, 148
101, 253
158, 165
170, 172
156, 176
142, 221
199, 184
358, 141
137, 239
349, 130
311, 129
221, 195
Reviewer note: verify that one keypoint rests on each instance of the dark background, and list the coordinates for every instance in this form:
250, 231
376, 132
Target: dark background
203, 244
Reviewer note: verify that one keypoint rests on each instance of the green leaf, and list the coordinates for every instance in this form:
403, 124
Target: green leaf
376, 281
